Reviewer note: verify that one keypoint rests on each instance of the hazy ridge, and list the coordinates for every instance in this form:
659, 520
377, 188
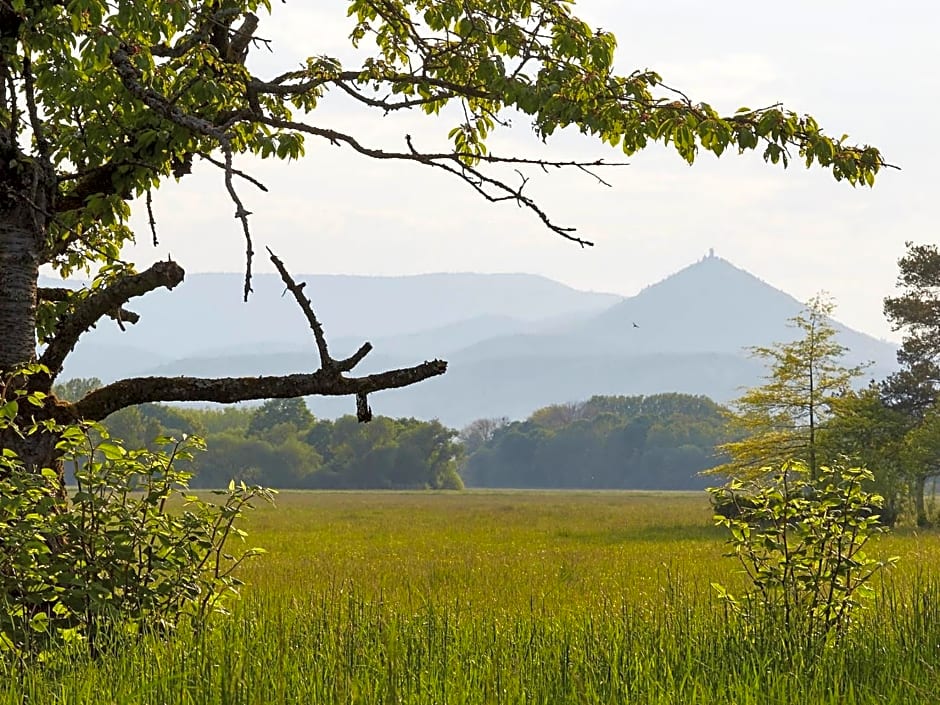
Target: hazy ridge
515, 342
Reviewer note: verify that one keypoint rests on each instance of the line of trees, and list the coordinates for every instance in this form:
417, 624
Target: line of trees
608, 442
280, 444
655, 442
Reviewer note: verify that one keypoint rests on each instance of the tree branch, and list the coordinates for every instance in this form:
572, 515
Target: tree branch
326, 362
162, 106
113, 397
55, 293
461, 166
327, 381
105, 302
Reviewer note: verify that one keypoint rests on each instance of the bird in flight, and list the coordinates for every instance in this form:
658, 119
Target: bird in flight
635, 325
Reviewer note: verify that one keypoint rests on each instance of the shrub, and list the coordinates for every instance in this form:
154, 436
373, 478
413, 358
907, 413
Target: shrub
801, 546
131, 550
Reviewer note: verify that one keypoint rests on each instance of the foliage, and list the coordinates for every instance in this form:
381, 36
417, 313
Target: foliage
284, 461
131, 551
781, 419
921, 455
539, 59
480, 432
75, 388
104, 102
280, 444
645, 442
869, 433
385, 454
800, 541
914, 389
280, 411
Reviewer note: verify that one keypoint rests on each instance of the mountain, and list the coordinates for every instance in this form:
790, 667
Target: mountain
687, 333
708, 307
205, 314
713, 306
514, 342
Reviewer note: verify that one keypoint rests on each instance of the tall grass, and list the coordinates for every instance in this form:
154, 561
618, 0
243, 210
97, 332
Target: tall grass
506, 598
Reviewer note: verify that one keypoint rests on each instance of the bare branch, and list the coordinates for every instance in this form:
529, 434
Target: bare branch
152, 221
354, 359
104, 302
237, 172
131, 78
328, 380
460, 165
113, 397
121, 315
326, 362
241, 39
363, 412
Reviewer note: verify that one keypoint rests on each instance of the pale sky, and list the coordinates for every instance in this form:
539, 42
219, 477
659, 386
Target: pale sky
869, 69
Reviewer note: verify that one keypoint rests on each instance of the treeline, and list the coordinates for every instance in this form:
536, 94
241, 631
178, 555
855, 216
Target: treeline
280, 444
654, 442
657, 442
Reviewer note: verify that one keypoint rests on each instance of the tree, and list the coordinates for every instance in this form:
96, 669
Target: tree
288, 463
800, 541
921, 451
556, 416
480, 432
280, 411
781, 420
872, 434
77, 387
916, 311
102, 102
914, 389
657, 442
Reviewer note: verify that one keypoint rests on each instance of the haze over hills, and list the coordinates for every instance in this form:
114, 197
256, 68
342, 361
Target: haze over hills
514, 342
710, 306
206, 313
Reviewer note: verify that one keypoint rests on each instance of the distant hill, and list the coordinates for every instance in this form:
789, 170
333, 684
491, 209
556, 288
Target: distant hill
514, 342
708, 307
205, 315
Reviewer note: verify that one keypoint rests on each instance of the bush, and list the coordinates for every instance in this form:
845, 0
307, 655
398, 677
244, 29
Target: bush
801, 545
130, 551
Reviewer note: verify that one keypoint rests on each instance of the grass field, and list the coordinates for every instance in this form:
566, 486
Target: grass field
506, 597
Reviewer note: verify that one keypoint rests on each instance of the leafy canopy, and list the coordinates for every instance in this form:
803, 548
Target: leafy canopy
122, 96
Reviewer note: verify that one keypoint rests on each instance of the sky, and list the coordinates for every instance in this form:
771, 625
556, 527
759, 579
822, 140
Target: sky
865, 68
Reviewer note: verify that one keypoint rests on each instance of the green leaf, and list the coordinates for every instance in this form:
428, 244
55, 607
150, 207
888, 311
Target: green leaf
111, 451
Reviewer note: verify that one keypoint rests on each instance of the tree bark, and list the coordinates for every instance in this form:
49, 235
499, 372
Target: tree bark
25, 199
19, 274
920, 505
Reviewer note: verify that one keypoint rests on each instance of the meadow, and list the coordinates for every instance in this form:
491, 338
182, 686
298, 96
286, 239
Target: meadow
506, 597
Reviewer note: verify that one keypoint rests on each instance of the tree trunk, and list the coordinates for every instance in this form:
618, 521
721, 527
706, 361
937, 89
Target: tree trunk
19, 275
920, 506
24, 208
